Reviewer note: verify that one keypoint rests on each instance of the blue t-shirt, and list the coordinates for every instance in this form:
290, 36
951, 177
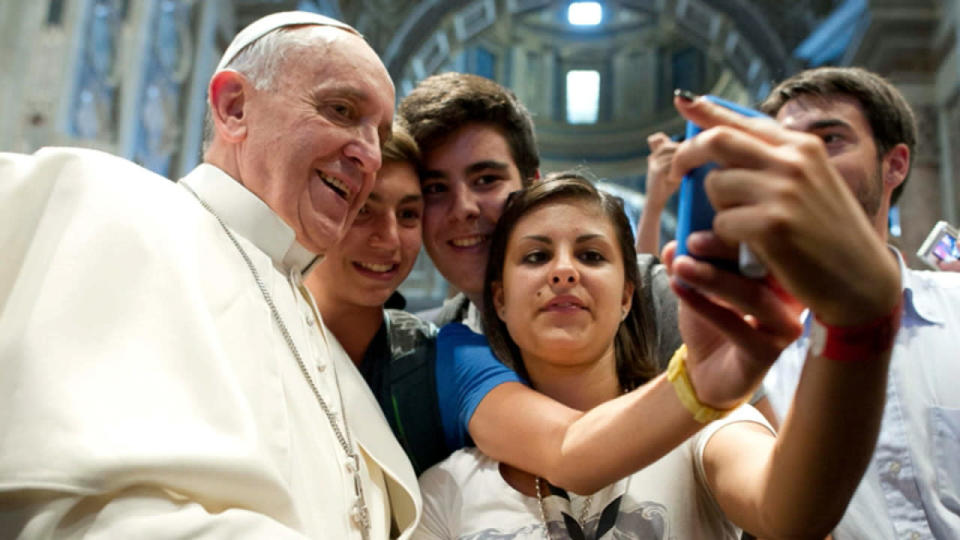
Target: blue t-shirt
466, 372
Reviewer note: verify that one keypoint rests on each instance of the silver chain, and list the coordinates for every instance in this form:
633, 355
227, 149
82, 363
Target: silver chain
359, 513
543, 513
584, 510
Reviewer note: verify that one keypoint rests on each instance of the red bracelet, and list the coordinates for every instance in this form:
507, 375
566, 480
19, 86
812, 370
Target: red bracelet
851, 343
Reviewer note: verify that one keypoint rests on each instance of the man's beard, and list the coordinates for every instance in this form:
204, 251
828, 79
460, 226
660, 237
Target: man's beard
870, 193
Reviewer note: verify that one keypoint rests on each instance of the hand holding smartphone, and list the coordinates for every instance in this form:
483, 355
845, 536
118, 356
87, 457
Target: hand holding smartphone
940, 246
694, 211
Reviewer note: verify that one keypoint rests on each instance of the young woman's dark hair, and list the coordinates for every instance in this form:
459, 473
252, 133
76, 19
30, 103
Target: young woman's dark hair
633, 344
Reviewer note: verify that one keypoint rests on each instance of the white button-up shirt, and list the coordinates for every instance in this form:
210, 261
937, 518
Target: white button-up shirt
911, 488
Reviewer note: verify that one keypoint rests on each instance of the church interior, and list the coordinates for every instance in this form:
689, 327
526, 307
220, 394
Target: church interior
129, 76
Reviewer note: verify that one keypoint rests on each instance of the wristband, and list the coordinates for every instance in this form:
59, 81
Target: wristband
677, 374
851, 343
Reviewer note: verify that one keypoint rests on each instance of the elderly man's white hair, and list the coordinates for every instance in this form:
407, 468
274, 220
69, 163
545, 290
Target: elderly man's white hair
259, 50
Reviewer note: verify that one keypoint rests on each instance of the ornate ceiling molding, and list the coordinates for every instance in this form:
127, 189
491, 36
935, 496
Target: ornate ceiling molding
733, 32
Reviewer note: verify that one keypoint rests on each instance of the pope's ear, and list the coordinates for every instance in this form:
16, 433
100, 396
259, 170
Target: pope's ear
496, 288
229, 91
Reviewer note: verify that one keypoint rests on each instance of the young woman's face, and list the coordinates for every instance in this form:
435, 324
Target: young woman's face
563, 293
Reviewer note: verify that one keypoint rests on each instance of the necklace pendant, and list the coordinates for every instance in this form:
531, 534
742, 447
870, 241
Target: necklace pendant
359, 513
361, 517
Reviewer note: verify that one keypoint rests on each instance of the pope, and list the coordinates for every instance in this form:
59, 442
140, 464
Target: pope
164, 370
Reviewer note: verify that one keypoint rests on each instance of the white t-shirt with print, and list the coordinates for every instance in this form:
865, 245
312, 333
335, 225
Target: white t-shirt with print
465, 497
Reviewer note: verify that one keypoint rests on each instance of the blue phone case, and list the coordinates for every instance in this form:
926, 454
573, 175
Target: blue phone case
694, 211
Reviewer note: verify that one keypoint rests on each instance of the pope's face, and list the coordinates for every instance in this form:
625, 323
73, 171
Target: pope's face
312, 144
379, 250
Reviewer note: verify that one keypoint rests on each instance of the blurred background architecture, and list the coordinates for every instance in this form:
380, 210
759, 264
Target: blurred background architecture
129, 76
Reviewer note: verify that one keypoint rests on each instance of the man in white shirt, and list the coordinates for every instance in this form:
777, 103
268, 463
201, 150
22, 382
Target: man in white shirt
165, 373
912, 486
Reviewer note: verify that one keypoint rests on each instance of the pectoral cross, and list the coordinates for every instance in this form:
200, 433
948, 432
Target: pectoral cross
359, 513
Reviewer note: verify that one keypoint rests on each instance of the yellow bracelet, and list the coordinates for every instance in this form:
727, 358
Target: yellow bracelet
677, 374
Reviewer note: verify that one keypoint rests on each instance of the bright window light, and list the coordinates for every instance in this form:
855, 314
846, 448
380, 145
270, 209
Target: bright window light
585, 13
583, 96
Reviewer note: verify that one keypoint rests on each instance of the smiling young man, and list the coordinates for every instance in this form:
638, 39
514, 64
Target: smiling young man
359, 274
393, 350
164, 370
478, 146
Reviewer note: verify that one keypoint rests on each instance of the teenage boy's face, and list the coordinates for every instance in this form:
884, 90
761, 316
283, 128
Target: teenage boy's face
466, 181
379, 250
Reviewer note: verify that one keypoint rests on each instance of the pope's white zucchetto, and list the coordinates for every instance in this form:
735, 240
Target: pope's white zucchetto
264, 25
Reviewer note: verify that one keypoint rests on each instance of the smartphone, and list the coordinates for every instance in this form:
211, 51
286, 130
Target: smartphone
940, 245
694, 211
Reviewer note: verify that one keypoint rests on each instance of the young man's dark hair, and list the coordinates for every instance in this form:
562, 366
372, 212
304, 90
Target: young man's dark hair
885, 109
401, 148
443, 103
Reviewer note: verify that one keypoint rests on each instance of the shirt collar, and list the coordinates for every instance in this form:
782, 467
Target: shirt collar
914, 304
915, 301
249, 217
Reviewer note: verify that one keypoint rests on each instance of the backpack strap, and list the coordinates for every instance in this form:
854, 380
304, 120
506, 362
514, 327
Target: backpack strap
414, 413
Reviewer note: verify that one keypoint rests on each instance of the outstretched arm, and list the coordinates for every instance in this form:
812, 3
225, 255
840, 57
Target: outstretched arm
776, 191
584, 451
580, 451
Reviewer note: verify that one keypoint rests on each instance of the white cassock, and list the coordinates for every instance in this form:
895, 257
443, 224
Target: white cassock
145, 389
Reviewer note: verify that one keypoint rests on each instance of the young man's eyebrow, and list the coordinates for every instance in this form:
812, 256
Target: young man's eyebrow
487, 164
473, 168
412, 197
432, 174
827, 123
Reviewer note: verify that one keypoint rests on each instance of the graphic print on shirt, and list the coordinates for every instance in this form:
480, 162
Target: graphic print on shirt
633, 521
620, 519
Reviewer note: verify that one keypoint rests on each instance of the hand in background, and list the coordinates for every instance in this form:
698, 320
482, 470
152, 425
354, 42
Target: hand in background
949, 266
660, 186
